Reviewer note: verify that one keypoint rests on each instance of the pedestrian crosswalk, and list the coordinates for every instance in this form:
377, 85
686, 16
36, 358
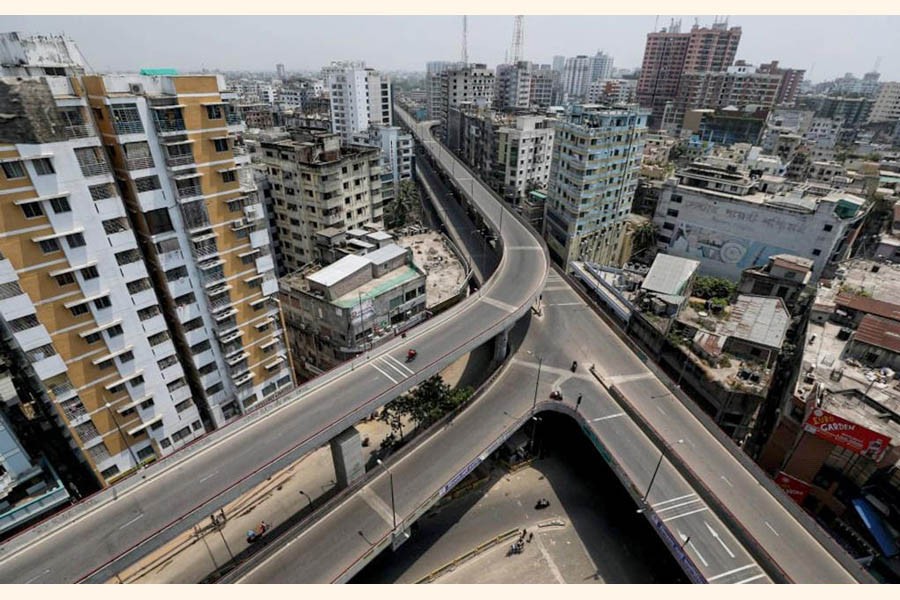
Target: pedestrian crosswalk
390, 367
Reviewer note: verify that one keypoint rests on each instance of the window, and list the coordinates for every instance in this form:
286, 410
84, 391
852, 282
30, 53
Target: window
159, 221
115, 331
13, 169
156, 426
146, 404
10, 289
126, 357
159, 338
75, 240
214, 111
101, 192
166, 362
816, 252
229, 176
146, 184
176, 273
127, 257
193, 324
48, 246
174, 385
64, 279
103, 302
43, 166
91, 338
200, 347
105, 364
208, 368
138, 285
40, 353
146, 453
828, 228
196, 425
110, 472
221, 145
88, 273
60, 205
118, 225
165, 443
32, 210
181, 434
136, 381
148, 313
214, 389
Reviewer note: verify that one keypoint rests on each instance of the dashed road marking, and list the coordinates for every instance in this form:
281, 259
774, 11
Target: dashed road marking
749, 579
679, 505
685, 514
621, 414
769, 525
137, 518
732, 572
398, 363
383, 373
499, 304
676, 499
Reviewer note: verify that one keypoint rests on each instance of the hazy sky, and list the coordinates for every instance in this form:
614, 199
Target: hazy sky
826, 46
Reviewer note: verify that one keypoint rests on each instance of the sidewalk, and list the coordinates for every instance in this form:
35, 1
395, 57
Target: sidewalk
199, 551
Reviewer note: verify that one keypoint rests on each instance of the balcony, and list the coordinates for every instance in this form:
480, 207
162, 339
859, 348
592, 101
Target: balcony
48, 367
232, 118
76, 132
180, 160
93, 169
171, 124
136, 164
195, 336
169, 260
188, 311
189, 191
128, 127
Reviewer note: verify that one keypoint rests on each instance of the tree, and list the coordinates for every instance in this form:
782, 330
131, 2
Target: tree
710, 288
424, 405
644, 236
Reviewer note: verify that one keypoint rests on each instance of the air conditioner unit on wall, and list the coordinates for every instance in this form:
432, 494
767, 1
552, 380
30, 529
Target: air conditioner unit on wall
136, 88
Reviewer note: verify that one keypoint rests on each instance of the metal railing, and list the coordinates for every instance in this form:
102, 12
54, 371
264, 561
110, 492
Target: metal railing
92, 169
74, 132
180, 160
170, 126
144, 162
126, 127
189, 191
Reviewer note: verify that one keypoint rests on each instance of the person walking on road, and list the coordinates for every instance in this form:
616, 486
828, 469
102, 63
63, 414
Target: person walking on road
578, 402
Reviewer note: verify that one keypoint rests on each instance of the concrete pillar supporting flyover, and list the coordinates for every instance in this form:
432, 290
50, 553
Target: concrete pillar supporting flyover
347, 454
501, 346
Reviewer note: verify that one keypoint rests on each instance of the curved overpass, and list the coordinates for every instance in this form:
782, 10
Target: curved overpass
120, 525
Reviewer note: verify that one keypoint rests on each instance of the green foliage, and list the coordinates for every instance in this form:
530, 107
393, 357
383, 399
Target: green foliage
424, 405
710, 288
406, 208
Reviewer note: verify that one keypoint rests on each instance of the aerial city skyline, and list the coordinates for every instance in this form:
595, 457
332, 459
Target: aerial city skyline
497, 300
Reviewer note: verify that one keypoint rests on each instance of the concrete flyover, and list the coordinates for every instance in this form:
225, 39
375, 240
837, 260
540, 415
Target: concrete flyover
92, 540
720, 517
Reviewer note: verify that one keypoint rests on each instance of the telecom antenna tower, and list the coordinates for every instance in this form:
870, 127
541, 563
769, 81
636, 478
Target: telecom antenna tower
518, 40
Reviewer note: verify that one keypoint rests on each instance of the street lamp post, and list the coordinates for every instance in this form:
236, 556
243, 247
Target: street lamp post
122, 435
537, 382
652, 479
393, 505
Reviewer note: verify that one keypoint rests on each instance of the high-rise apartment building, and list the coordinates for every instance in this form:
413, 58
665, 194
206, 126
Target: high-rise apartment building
559, 63
576, 79
669, 54
601, 66
434, 96
791, 79
596, 158
360, 97
135, 286
279, 70
513, 86
396, 157
737, 86
887, 104
319, 184
471, 85
545, 87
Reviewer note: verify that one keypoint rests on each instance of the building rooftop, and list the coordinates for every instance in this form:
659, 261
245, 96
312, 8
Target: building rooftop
382, 255
376, 287
762, 320
340, 270
887, 310
790, 261
878, 332
669, 274
445, 274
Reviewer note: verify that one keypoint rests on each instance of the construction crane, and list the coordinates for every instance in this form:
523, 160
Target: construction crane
518, 40
465, 42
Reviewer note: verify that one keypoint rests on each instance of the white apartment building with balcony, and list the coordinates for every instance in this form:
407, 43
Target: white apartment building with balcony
360, 97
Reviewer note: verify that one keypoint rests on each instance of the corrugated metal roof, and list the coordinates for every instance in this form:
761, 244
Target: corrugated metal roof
340, 270
669, 274
386, 253
870, 306
878, 332
759, 319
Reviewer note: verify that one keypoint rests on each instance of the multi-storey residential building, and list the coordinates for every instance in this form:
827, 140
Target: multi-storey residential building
360, 97
669, 54
559, 63
887, 104
91, 305
791, 80
433, 86
471, 85
318, 183
601, 66
513, 86
737, 86
596, 158
576, 77
545, 87
192, 197
612, 91
396, 156
731, 221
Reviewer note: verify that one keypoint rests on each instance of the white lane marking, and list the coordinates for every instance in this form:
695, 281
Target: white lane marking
621, 414
383, 373
679, 505
553, 568
565, 304
749, 579
395, 368
772, 528
725, 479
377, 504
659, 408
632, 377
137, 518
686, 540
715, 534
522, 248
399, 364
685, 514
201, 480
38, 576
497, 303
676, 499
733, 571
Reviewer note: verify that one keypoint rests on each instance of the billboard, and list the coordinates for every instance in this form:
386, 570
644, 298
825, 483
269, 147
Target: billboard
362, 312
846, 434
795, 488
